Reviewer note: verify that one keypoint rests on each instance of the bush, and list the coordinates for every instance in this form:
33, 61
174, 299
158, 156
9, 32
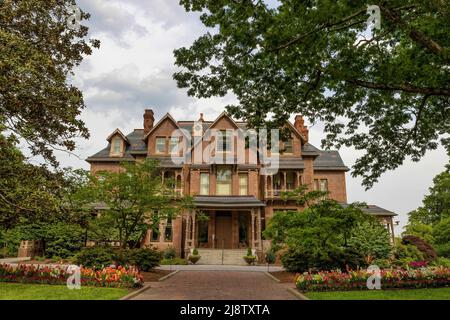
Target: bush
176, 261
428, 252
407, 252
443, 250
63, 240
441, 262
195, 252
96, 257
170, 253
144, 259
382, 263
301, 260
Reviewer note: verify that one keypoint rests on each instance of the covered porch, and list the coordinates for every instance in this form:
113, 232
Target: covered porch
233, 222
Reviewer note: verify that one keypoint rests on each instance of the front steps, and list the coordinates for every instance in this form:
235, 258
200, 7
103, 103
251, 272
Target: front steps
230, 256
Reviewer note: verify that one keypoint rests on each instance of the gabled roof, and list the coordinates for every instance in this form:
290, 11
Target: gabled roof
117, 132
167, 116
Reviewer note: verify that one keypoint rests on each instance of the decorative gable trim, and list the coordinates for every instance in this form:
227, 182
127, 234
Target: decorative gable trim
117, 132
161, 121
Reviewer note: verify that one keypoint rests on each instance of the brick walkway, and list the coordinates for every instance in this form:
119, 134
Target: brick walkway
217, 285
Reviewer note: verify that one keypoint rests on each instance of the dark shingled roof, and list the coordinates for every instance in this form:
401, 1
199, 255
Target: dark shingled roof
329, 160
228, 201
135, 146
374, 210
324, 160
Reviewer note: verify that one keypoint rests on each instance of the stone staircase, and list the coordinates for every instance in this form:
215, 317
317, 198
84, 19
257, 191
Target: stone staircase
230, 256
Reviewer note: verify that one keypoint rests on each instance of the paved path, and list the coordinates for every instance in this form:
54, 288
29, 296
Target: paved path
13, 260
213, 267
217, 285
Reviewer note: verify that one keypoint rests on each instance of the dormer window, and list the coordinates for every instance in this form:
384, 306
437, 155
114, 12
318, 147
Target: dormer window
116, 146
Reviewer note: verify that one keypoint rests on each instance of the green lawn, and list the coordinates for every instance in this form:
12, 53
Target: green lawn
19, 291
410, 294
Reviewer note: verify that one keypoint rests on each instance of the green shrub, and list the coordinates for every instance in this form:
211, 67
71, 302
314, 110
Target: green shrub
144, 259
249, 252
441, 262
63, 240
407, 251
170, 253
382, 263
193, 258
302, 260
96, 257
428, 252
175, 261
195, 252
443, 250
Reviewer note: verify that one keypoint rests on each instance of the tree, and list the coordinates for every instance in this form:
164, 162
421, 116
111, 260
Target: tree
371, 239
318, 58
27, 192
441, 233
436, 205
318, 236
421, 230
38, 53
135, 199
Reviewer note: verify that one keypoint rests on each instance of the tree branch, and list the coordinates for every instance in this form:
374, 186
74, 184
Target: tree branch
401, 87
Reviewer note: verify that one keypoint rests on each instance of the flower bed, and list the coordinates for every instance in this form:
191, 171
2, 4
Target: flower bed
357, 280
119, 277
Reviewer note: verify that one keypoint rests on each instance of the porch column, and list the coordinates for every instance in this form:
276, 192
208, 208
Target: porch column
253, 229
258, 236
193, 230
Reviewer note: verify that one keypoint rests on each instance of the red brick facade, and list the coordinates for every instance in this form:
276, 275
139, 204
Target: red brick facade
244, 200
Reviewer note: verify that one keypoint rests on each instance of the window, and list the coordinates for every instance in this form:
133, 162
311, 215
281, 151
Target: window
204, 183
321, 184
160, 145
224, 140
168, 230
243, 184
290, 178
155, 236
173, 145
223, 185
116, 145
287, 146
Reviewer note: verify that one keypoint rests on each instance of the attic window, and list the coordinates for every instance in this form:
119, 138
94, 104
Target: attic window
116, 145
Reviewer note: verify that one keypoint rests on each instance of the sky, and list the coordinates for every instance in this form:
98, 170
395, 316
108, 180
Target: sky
133, 70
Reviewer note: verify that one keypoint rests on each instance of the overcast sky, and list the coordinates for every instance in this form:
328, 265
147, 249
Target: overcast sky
133, 70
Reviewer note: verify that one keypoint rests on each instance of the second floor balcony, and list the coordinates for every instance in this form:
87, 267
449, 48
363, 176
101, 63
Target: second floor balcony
283, 181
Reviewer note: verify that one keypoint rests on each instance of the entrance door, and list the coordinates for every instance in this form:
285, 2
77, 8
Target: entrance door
223, 231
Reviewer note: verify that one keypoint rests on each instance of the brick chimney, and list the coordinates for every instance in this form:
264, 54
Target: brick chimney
201, 117
148, 120
299, 124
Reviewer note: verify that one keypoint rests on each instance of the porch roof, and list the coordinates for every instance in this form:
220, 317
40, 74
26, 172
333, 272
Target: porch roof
227, 202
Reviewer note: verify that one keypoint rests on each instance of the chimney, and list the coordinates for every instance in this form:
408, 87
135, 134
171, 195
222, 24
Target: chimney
148, 120
299, 124
201, 117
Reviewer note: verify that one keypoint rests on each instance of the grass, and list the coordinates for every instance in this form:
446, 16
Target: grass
20, 291
409, 294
